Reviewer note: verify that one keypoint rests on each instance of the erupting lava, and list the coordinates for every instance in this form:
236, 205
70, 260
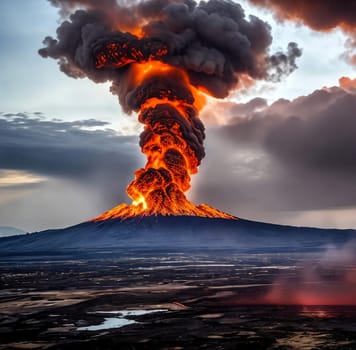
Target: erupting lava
173, 136
160, 56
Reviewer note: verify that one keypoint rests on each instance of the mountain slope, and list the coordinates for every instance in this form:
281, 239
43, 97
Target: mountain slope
176, 231
6, 231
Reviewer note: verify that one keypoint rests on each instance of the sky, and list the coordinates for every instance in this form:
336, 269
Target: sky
281, 152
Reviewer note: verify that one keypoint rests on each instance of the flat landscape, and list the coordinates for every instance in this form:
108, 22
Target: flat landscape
171, 299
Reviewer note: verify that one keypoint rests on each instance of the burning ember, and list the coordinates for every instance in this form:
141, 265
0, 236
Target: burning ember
161, 55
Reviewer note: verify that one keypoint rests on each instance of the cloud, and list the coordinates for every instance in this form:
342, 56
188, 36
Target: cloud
80, 169
13, 178
320, 15
64, 149
295, 155
283, 162
347, 84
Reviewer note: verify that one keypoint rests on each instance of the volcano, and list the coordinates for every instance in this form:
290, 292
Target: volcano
176, 232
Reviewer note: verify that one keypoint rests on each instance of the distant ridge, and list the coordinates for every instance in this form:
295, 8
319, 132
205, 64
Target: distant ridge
177, 232
6, 231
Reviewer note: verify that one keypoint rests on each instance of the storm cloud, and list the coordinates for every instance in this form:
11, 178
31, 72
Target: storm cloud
266, 162
82, 155
320, 15
295, 155
64, 149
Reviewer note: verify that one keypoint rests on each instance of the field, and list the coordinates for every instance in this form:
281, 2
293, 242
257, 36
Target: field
159, 299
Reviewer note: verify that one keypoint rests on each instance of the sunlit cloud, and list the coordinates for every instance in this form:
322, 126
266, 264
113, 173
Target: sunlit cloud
11, 178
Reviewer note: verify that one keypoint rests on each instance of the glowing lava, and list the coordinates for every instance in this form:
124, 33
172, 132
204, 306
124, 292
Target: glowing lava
172, 140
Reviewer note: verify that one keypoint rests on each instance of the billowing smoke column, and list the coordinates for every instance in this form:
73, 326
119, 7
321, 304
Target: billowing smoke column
160, 55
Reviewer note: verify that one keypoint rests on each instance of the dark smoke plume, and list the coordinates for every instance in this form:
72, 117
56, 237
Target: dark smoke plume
213, 41
320, 15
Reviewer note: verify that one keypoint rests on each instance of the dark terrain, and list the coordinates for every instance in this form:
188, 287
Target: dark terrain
177, 231
203, 297
208, 298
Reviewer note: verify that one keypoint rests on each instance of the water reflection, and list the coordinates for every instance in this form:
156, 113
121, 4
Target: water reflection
119, 320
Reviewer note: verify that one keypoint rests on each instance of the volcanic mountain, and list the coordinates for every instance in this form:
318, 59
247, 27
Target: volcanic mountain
172, 232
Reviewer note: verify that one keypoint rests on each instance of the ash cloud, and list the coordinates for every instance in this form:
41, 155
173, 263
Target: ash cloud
213, 41
320, 15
